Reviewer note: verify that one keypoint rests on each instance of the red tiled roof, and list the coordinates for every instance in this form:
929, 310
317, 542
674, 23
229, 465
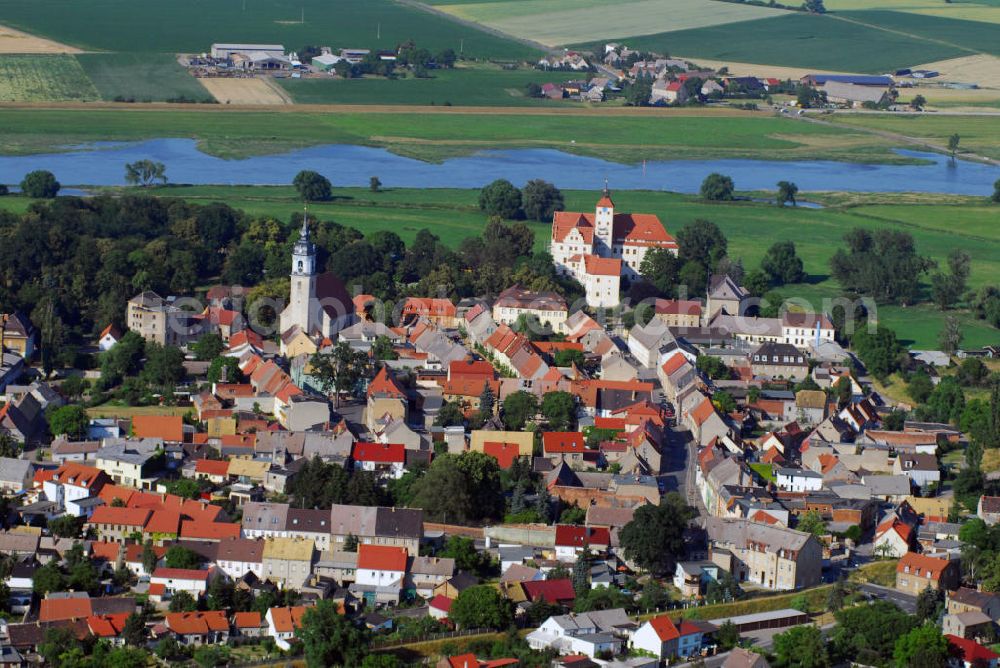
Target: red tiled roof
56, 609
385, 384
673, 363
163, 522
618, 424
382, 557
382, 453
678, 307
209, 530
157, 589
441, 602
922, 565
107, 626
602, 266
664, 628
246, 620
196, 623
108, 551
79, 475
550, 591
212, 467
903, 529
116, 515
504, 453
969, 651
703, 411
112, 330
167, 427
477, 368
563, 441
287, 620
568, 535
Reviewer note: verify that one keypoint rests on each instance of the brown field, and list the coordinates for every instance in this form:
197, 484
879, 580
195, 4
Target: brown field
245, 91
758, 70
982, 69
15, 41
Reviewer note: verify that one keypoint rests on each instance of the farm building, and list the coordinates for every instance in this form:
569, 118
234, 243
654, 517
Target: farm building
253, 56
853, 94
854, 79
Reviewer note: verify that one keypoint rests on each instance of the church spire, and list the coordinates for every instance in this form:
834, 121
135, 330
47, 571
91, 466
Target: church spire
606, 192
304, 232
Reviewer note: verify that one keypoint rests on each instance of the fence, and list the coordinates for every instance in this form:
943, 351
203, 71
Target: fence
391, 643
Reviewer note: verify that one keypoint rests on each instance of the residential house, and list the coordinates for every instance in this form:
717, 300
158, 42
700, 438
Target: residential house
386, 398
16, 475
645, 342
666, 640
549, 307
238, 556
385, 459
810, 406
441, 312
798, 480
725, 296
916, 572
130, 462
744, 658
169, 428
588, 633
965, 599
970, 654
779, 360
160, 320
381, 572
18, 334
74, 488
921, 469
678, 312
770, 556
426, 573
893, 538
282, 623
705, 422
198, 628
988, 509
571, 540
288, 562
193, 581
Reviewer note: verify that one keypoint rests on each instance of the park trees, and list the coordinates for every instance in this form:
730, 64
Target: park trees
312, 186
655, 536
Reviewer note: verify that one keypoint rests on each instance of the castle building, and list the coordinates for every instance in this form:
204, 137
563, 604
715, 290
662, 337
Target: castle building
318, 304
599, 249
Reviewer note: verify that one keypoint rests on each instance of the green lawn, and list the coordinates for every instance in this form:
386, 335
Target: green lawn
805, 40
433, 136
749, 227
141, 77
765, 471
193, 25
458, 87
980, 134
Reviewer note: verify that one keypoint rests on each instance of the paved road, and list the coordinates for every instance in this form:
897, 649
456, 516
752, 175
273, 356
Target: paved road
906, 602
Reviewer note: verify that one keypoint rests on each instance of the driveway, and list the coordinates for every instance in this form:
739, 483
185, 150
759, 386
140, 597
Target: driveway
906, 602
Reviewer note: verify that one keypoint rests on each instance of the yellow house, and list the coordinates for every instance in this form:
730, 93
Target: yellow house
525, 440
220, 426
248, 470
17, 334
296, 342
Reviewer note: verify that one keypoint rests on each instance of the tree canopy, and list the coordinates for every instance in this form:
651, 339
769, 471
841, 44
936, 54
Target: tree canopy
654, 539
312, 186
717, 187
501, 198
481, 607
40, 184
882, 264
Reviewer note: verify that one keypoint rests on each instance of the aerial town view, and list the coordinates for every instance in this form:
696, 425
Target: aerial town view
500, 333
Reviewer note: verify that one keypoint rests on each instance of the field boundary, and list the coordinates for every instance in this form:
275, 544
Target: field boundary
416, 4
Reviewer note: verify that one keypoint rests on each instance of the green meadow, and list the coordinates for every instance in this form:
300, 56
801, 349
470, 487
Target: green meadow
141, 77
750, 228
193, 25
435, 136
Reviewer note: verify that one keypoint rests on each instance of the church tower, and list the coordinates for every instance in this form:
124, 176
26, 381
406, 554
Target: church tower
303, 284
604, 224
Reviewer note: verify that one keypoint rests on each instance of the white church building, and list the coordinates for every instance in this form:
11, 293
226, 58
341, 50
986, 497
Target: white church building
318, 304
599, 248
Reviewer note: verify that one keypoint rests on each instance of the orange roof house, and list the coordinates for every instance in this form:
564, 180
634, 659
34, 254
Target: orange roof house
197, 623
107, 626
167, 427
563, 442
382, 558
286, 620
212, 531
385, 385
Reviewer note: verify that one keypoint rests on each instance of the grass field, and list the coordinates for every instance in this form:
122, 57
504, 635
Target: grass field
750, 228
459, 87
980, 134
193, 25
556, 22
626, 137
803, 40
146, 77
43, 78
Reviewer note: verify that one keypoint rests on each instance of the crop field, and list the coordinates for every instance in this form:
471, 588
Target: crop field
245, 91
802, 40
15, 41
145, 77
625, 136
193, 25
750, 228
557, 22
44, 78
983, 70
987, 11
459, 87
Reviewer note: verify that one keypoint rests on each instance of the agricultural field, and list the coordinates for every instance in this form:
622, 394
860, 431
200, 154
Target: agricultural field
145, 77
623, 135
245, 91
44, 78
801, 40
193, 25
459, 87
750, 228
15, 41
558, 22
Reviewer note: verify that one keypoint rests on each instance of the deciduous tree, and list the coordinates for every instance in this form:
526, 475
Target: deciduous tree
717, 187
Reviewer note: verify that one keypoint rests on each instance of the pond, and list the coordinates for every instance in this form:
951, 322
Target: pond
349, 165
